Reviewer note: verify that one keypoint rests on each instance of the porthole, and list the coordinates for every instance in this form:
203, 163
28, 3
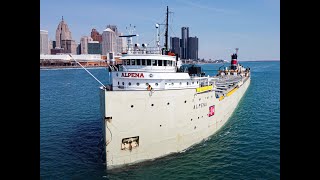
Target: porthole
123, 83
192, 82
195, 127
138, 84
180, 83
165, 83
198, 117
156, 84
117, 74
172, 84
185, 101
187, 83
151, 104
129, 83
150, 75
168, 103
160, 125
131, 106
147, 84
191, 119
199, 99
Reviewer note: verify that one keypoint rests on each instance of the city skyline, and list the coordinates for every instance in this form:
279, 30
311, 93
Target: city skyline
221, 26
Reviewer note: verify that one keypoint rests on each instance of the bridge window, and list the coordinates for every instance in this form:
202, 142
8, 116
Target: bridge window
128, 62
159, 62
154, 62
169, 63
143, 63
138, 62
187, 83
148, 62
123, 83
133, 62
165, 62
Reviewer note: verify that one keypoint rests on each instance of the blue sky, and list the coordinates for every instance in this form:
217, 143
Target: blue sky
221, 25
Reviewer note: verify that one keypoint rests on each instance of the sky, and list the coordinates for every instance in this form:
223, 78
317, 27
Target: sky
253, 26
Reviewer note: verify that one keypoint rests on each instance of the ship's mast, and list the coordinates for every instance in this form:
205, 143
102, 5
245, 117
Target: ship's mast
130, 30
166, 33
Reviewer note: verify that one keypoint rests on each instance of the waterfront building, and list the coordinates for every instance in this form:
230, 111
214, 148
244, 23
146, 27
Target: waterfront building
84, 44
119, 41
96, 36
44, 42
69, 46
193, 48
94, 47
62, 33
108, 41
175, 45
184, 42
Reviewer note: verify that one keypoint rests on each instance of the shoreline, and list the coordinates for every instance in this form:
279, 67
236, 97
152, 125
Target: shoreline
70, 67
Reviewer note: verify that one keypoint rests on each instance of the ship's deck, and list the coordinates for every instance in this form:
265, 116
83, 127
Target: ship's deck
225, 83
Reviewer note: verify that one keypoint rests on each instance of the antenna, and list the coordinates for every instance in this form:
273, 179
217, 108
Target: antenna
237, 50
130, 30
166, 34
157, 36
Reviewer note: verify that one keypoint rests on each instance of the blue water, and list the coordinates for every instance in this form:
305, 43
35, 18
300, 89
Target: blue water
247, 147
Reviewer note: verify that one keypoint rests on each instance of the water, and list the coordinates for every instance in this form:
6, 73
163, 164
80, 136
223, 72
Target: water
247, 147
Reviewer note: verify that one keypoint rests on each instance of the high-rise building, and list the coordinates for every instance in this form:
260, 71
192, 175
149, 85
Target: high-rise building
94, 47
193, 48
62, 33
84, 44
50, 46
96, 36
44, 42
79, 48
113, 28
184, 42
108, 41
69, 46
120, 44
175, 45
119, 41
54, 45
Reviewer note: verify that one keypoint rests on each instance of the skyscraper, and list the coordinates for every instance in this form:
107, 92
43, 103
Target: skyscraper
62, 33
94, 47
69, 46
84, 44
119, 43
108, 41
175, 45
193, 48
44, 42
184, 42
96, 36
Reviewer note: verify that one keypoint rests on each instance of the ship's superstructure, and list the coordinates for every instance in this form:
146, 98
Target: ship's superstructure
155, 106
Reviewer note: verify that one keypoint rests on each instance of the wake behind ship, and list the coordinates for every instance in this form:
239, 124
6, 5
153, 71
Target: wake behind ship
156, 106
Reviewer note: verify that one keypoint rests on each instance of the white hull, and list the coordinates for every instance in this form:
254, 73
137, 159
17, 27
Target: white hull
162, 128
